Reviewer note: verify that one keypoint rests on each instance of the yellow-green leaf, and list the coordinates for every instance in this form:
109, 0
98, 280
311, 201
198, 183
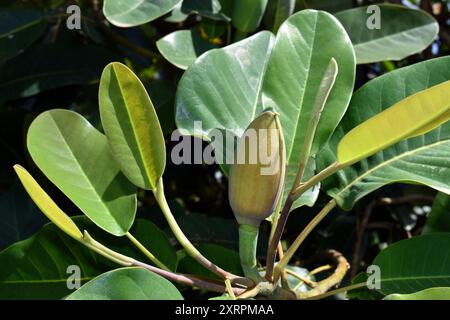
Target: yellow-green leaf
131, 126
414, 115
47, 205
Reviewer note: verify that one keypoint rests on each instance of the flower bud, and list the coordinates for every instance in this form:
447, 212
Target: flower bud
257, 175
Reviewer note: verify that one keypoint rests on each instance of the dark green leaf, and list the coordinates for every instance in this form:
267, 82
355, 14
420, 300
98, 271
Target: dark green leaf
19, 28
50, 66
439, 217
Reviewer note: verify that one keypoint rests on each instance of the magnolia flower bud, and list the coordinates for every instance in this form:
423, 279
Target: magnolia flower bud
257, 175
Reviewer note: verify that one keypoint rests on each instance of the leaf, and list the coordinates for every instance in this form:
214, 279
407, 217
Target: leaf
77, 159
47, 205
156, 241
363, 293
415, 264
211, 9
127, 284
304, 46
19, 217
439, 218
221, 89
277, 12
421, 159
442, 293
36, 268
325, 5
221, 256
136, 12
247, 14
19, 28
425, 109
131, 126
181, 48
403, 31
50, 66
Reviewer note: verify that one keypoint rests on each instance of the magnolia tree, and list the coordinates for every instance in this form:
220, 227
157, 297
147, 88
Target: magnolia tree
283, 122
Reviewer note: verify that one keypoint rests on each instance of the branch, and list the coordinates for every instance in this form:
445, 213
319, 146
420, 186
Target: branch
339, 273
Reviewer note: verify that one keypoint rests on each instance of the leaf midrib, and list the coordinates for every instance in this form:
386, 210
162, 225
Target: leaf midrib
141, 156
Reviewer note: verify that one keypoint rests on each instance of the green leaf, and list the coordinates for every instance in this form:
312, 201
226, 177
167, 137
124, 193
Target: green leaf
363, 293
19, 28
442, 293
50, 66
47, 205
421, 159
419, 114
211, 9
415, 264
19, 217
131, 126
325, 5
304, 46
222, 88
247, 14
136, 12
181, 48
77, 159
127, 284
402, 32
36, 268
277, 12
439, 218
156, 241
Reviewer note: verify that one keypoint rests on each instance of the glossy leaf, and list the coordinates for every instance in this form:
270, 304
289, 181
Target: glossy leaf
18, 30
439, 218
414, 264
132, 13
77, 159
50, 66
182, 47
47, 205
442, 293
127, 284
402, 32
131, 126
425, 109
422, 159
36, 268
304, 46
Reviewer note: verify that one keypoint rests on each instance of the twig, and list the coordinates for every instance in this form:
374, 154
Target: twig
323, 286
310, 283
